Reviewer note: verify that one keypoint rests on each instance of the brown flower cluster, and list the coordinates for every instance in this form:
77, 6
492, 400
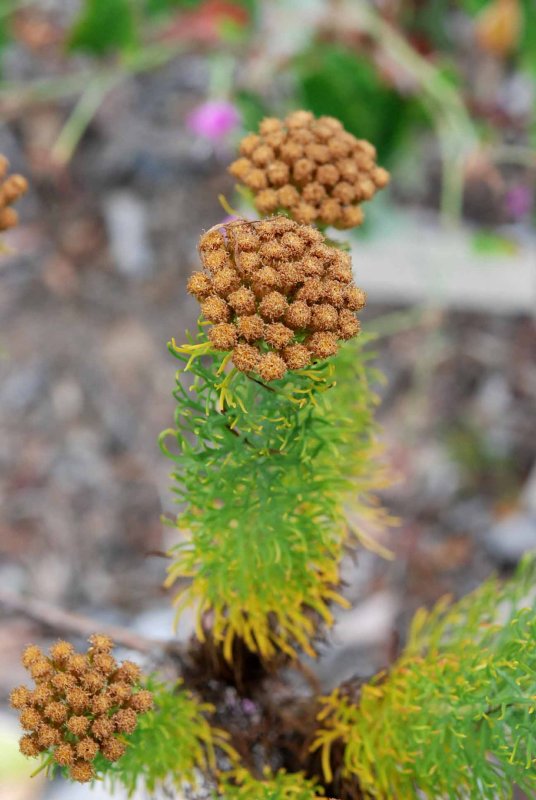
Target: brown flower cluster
278, 296
80, 704
10, 190
310, 167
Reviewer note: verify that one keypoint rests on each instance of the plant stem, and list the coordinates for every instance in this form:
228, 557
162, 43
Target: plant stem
456, 132
80, 118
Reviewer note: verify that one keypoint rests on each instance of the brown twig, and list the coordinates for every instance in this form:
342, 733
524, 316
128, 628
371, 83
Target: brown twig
52, 617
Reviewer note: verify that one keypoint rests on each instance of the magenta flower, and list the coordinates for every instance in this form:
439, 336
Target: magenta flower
213, 119
518, 201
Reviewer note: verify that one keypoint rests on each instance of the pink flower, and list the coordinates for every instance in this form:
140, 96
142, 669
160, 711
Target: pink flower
213, 119
518, 201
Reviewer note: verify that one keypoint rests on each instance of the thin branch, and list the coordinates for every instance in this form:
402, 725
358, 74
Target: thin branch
52, 617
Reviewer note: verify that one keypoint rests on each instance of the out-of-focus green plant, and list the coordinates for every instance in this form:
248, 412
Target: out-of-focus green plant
240, 785
455, 716
336, 80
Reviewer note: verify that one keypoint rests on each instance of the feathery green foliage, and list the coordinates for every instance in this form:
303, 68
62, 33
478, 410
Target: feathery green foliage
264, 473
240, 785
169, 745
456, 715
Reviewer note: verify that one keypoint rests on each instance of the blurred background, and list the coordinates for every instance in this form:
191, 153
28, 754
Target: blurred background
123, 115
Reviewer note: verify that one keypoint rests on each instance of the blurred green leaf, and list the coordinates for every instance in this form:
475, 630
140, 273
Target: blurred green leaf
490, 243
162, 6
104, 26
337, 81
252, 109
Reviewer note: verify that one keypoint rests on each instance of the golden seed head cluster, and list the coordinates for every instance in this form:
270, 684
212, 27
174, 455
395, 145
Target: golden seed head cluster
278, 296
11, 189
311, 168
80, 705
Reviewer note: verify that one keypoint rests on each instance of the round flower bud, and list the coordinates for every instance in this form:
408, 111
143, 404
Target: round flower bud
64, 754
141, 701
256, 179
125, 720
380, 177
262, 155
215, 309
120, 692
296, 356
82, 772
278, 173
327, 175
199, 285
77, 699
267, 201
223, 336
101, 704
10, 190
289, 197
77, 664
40, 669
20, 697
246, 358
273, 306
225, 281
322, 344
251, 328
355, 298
128, 672
271, 367
87, 749
112, 749
278, 335
29, 746
78, 725
324, 317
30, 718
47, 736
61, 651
242, 301
100, 643
314, 193
348, 324
215, 260
240, 168
41, 695
351, 217
249, 144
56, 712
102, 728
298, 315
270, 125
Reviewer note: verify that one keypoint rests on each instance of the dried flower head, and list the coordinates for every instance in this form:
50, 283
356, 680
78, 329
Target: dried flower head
82, 771
288, 285
81, 704
311, 168
11, 188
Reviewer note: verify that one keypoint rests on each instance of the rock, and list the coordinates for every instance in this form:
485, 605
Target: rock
22, 388
511, 537
158, 623
529, 493
62, 790
126, 222
369, 623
